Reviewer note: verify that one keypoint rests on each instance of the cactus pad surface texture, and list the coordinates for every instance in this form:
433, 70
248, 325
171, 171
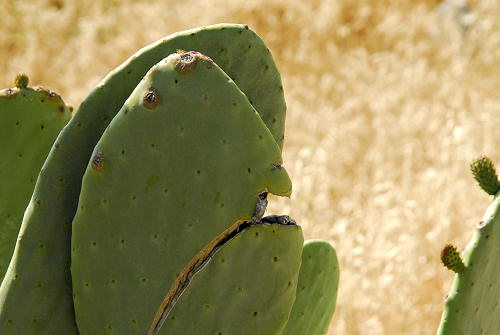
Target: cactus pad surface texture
316, 291
184, 159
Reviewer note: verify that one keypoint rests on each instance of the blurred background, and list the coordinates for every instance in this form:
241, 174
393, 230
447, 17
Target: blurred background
388, 102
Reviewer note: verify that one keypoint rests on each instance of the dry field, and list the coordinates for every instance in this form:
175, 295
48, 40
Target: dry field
388, 102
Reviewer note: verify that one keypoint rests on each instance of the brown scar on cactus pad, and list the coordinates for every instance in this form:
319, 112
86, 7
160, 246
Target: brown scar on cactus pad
451, 259
151, 98
186, 62
98, 161
201, 260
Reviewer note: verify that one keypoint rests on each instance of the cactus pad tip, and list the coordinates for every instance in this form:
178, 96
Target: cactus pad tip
451, 259
22, 80
484, 172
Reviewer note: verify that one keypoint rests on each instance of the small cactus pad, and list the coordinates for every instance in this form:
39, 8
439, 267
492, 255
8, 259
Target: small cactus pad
451, 259
184, 159
30, 120
473, 304
22, 80
485, 174
248, 286
316, 290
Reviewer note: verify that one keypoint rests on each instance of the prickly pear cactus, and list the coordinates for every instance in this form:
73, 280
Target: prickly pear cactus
30, 120
473, 304
162, 173
195, 155
55, 199
316, 291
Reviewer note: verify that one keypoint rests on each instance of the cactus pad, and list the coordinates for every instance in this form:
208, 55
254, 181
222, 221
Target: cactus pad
184, 159
316, 290
451, 259
30, 120
485, 174
473, 304
248, 286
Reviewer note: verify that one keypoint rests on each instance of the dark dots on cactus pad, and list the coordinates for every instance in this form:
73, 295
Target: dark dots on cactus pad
275, 259
151, 98
266, 67
61, 109
133, 321
98, 161
94, 244
181, 128
42, 127
112, 281
249, 170
20, 155
122, 241
260, 136
255, 314
176, 80
10, 322
17, 123
144, 279
198, 171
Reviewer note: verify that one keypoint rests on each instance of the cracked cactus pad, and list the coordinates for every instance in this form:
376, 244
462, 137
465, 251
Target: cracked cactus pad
183, 160
473, 304
316, 290
248, 287
30, 120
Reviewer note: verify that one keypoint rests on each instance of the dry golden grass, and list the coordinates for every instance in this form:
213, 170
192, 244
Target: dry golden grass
388, 101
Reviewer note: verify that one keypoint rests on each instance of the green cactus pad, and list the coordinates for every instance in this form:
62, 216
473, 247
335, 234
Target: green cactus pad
248, 286
30, 120
184, 159
485, 174
316, 290
451, 259
22, 80
473, 304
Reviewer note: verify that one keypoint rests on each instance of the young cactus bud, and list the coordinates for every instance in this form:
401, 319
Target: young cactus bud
21, 80
485, 174
451, 259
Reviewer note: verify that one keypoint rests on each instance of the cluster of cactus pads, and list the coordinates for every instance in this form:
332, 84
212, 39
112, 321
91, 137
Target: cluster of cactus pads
146, 209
